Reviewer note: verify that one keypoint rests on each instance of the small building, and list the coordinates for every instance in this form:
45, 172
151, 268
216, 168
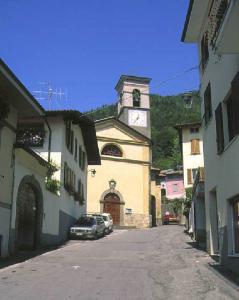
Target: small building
70, 145
122, 183
172, 184
212, 26
190, 139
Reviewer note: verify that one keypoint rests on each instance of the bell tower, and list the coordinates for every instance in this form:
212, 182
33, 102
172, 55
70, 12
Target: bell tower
133, 103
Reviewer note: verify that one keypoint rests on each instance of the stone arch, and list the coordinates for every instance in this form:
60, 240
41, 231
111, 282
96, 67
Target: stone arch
29, 190
121, 203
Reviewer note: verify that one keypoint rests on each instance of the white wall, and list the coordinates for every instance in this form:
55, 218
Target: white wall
191, 161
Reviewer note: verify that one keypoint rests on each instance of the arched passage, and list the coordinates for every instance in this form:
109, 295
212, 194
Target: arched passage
28, 215
112, 202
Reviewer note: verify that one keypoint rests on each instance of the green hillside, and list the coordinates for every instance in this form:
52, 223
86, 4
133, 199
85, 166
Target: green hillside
166, 111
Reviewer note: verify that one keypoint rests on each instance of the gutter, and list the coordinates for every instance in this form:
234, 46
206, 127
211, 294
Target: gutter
185, 28
49, 141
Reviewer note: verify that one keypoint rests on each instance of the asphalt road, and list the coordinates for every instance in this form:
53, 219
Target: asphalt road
158, 263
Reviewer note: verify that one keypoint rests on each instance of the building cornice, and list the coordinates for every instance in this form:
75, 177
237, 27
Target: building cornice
119, 141
127, 160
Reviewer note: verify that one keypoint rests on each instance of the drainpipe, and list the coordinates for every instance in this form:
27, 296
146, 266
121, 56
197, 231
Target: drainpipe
13, 163
49, 141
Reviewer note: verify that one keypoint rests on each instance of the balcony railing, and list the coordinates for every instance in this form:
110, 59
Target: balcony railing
217, 14
31, 135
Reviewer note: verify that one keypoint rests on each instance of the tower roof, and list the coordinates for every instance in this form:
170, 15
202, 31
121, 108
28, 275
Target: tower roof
134, 79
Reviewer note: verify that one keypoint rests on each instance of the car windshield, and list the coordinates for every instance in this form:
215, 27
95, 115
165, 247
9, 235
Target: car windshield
86, 221
105, 218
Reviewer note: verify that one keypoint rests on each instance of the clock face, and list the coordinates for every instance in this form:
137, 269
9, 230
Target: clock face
138, 118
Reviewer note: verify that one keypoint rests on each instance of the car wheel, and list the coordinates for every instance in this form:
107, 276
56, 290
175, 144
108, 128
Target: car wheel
95, 236
107, 231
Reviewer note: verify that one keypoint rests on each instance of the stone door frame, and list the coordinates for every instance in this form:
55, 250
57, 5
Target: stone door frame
31, 180
121, 203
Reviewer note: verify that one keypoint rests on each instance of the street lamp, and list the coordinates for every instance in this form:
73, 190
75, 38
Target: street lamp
112, 184
187, 100
92, 172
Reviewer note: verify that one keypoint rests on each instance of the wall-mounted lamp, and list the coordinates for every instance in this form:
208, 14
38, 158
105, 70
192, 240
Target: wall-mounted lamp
92, 172
112, 184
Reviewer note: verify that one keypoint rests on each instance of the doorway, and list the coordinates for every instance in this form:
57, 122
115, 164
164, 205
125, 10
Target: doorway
111, 205
213, 222
153, 211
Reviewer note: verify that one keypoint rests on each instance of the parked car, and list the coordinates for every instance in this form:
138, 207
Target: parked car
169, 218
108, 222
88, 226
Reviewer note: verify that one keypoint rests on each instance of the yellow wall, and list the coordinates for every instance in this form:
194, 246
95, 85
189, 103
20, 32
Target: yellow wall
131, 172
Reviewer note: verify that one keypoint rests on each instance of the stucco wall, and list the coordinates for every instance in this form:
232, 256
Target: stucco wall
131, 173
221, 171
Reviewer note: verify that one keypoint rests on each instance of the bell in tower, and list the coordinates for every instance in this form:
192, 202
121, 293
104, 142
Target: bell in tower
134, 103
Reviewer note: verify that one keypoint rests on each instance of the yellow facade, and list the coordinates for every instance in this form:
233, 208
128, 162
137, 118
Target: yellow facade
131, 173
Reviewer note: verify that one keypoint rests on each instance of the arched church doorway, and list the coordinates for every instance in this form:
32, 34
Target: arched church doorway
28, 215
112, 205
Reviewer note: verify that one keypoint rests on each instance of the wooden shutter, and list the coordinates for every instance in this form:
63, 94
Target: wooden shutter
189, 174
235, 103
83, 160
72, 141
207, 104
197, 147
65, 174
68, 132
192, 146
219, 129
80, 157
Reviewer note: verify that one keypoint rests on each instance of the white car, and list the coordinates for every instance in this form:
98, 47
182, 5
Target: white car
108, 222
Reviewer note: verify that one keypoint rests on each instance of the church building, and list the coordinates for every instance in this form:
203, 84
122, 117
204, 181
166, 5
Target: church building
121, 185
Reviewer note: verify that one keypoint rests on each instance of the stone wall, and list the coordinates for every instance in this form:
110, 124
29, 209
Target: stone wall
138, 220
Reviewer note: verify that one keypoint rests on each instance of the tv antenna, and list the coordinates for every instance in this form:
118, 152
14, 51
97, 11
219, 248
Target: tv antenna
50, 94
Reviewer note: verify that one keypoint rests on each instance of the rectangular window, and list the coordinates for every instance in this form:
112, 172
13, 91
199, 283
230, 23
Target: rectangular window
204, 50
194, 130
76, 149
69, 179
207, 104
219, 129
232, 104
194, 173
235, 208
195, 147
175, 187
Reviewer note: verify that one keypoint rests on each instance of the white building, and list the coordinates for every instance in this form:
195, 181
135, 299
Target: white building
15, 103
212, 25
43, 169
190, 139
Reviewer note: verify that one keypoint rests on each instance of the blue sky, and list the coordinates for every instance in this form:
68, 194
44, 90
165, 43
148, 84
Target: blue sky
84, 46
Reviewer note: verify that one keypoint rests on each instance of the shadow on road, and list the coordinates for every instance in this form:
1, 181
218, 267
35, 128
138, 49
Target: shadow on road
22, 256
225, 274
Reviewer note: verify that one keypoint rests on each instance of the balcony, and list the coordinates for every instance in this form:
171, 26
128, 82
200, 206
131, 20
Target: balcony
31, 135
223, 26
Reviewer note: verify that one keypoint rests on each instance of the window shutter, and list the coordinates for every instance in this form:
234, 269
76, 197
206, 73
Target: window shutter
68, 132
235, 103
189, 173
219, 129
71, 141
207, 104
65, 174
83, 160
80, 157
197, 146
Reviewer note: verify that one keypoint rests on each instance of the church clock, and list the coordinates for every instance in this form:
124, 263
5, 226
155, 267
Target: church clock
137, 118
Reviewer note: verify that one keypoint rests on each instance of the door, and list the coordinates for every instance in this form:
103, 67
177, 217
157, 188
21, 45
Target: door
112, 206
153, 211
